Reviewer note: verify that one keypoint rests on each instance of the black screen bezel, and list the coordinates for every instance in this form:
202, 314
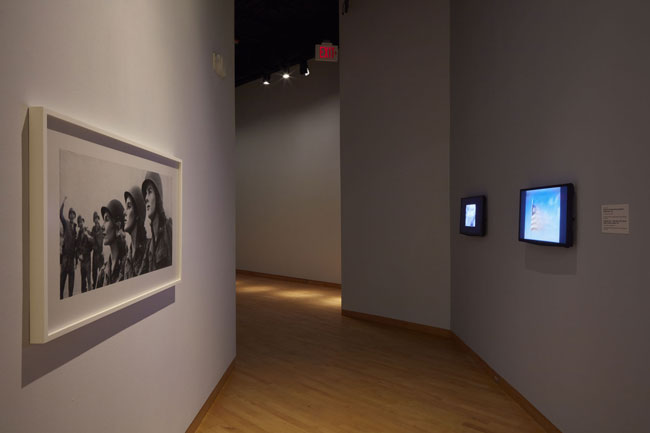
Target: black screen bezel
480, 201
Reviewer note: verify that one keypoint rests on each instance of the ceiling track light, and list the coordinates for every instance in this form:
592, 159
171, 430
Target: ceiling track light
304, 69
266, 79
286, 74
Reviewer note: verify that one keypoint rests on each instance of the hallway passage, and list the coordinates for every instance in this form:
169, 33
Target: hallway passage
302, 367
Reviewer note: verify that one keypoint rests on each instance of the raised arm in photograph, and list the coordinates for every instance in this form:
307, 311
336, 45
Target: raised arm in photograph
68, 251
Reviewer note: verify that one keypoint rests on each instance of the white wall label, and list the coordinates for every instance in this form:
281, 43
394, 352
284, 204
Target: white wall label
615, 218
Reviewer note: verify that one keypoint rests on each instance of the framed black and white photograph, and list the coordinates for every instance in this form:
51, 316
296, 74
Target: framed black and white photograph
105, 223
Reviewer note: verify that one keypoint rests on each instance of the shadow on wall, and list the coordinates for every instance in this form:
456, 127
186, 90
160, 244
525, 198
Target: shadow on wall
40, 359
551, 260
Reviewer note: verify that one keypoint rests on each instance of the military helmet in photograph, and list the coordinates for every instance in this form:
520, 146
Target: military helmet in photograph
136, 195
153, 178
115, 209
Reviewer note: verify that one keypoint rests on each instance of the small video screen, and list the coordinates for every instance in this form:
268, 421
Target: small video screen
472, 215
545, 215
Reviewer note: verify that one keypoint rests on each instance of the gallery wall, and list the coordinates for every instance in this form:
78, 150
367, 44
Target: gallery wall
288, 175
141, 70
546, 92
394, 61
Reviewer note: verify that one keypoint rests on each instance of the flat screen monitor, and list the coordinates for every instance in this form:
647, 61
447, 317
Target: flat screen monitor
472, 215
546, 215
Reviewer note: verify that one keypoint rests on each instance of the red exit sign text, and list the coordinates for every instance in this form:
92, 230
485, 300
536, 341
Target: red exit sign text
327, 53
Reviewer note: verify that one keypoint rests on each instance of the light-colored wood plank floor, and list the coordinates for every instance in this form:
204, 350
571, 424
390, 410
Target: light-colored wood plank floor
302, 367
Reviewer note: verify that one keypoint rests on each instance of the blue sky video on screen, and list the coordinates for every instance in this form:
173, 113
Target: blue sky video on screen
470, 215
542, 215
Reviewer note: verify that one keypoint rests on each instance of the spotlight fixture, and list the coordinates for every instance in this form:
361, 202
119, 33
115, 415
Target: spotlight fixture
266, 79
304, 69
286, 75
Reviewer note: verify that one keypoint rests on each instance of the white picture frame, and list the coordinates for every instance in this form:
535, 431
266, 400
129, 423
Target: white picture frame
70, 158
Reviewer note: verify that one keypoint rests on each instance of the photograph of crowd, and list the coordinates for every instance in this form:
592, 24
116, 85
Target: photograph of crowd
115, 223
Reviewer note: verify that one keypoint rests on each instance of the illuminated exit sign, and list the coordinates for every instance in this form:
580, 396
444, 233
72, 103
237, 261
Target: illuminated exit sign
327, 52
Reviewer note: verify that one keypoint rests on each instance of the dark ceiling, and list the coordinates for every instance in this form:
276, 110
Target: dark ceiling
273, 34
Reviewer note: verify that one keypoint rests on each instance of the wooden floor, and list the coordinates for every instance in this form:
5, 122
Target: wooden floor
302, 367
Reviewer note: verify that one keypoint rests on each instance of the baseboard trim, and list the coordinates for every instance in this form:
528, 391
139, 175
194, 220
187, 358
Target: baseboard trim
440, 332
211, 398
285, 278
509, 389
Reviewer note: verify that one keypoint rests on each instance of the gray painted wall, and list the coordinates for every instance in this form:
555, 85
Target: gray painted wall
142, 70
547, 92
394, 62
288, 175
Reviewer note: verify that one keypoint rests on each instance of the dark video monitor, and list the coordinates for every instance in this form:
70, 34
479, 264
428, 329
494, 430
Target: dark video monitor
546, 215
472, 215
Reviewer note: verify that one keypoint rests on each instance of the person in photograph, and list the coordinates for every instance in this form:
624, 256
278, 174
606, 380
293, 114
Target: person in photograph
112, 272
98, 245
134, 218
159, 248
84, 248
68, 251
